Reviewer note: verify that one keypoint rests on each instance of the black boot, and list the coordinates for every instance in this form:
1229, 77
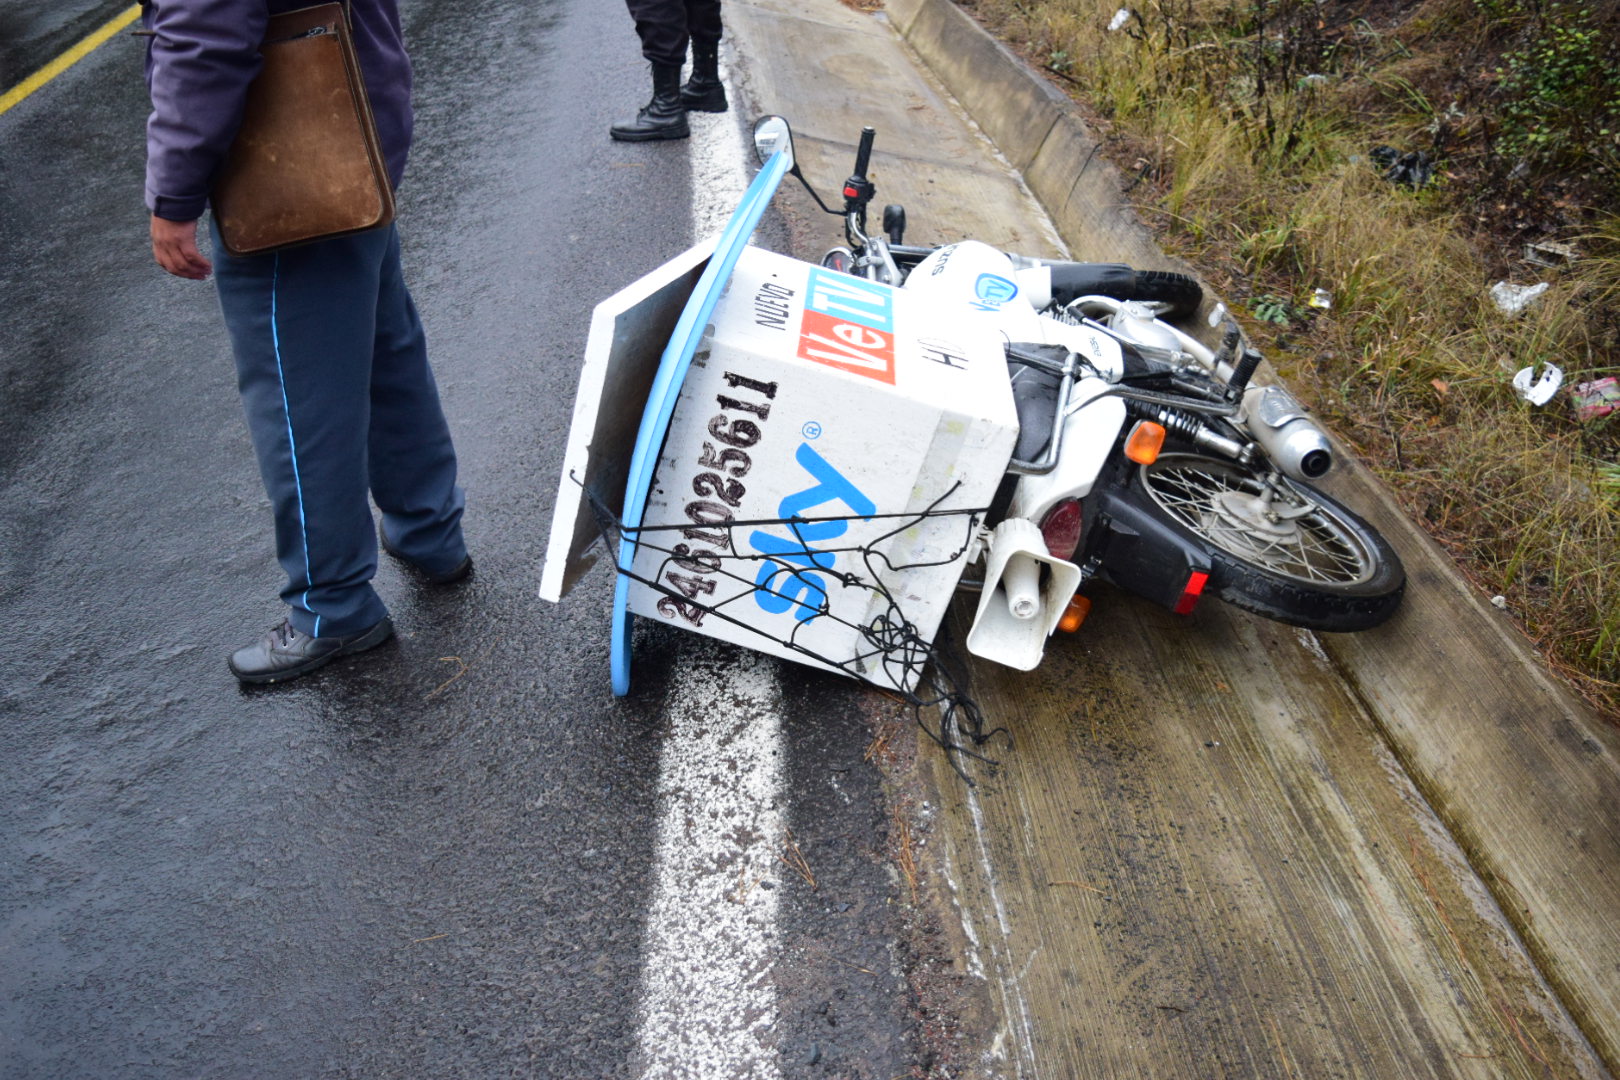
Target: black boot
704, 92
664, 117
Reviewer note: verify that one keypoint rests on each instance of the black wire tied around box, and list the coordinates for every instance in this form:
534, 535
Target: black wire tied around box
892, 640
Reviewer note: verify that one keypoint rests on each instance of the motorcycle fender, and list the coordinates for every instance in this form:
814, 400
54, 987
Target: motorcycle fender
1089, 437
1138, 550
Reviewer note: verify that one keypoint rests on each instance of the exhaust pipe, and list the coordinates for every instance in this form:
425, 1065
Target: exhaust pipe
1289, 436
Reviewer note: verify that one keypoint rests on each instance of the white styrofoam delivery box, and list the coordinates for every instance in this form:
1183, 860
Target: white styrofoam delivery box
855, 407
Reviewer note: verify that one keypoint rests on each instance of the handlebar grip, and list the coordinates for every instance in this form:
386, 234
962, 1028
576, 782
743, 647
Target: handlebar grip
863, 153
1243, 371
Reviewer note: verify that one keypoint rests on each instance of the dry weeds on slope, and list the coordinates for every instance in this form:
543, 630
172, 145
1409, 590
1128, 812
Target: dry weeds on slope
1250, 127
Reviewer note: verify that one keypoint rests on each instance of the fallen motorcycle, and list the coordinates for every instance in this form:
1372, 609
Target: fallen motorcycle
1145, 458
811, 460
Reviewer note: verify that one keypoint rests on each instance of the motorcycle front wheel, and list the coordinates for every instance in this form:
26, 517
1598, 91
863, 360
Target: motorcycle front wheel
1279, 548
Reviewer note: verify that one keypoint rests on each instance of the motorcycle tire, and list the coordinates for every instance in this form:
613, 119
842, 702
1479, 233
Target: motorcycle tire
1289, 553
1180, 293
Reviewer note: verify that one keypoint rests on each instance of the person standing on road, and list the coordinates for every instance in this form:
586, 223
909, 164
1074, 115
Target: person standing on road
330, 355
665, 27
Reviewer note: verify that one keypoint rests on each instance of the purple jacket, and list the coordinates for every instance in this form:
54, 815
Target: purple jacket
202, 57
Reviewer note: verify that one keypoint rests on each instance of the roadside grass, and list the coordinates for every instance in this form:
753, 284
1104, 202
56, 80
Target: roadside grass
1249, 129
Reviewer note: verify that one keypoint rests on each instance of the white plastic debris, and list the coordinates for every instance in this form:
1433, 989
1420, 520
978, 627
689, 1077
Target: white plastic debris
1542, 389
1512, 299
1500, 602
1121, 17
1323, 299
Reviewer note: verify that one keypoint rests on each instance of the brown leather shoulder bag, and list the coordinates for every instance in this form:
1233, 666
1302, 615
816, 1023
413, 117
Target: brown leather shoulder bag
306, 164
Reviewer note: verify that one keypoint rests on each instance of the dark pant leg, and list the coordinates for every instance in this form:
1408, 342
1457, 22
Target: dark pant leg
661, 25
303, 326
703, 21
412, 460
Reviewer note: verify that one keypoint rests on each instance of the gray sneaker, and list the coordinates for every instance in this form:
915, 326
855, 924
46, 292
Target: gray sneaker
285, 653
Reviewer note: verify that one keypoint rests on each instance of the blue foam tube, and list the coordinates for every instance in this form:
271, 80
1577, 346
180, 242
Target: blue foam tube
666, 390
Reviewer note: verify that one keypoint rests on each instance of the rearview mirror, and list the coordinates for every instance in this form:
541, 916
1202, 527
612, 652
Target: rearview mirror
771, 133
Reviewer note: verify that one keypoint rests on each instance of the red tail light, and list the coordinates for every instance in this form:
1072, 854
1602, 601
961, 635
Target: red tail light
1060, 528
1190, 595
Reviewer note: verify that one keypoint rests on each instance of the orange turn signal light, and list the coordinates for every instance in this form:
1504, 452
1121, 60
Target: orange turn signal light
1145, 442
1075, 614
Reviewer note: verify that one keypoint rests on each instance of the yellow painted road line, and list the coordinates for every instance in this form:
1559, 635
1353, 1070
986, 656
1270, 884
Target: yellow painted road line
66, 60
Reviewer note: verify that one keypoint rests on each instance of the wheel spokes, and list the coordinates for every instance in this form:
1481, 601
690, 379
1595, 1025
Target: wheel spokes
1277, 529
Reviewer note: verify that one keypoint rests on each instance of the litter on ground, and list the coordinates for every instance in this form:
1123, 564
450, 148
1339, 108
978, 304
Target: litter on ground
1600, 397
1512, 299
1542, 389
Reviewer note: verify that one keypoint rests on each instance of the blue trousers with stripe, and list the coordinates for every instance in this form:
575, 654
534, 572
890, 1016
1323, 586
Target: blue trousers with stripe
332, 365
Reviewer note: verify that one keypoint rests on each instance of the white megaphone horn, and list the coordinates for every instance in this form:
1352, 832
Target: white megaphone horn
1026, 590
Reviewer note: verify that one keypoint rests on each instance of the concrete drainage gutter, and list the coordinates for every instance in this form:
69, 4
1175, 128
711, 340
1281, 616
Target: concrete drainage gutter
1526, 778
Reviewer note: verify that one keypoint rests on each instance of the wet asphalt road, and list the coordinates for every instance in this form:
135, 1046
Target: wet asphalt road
385, 869
32, 34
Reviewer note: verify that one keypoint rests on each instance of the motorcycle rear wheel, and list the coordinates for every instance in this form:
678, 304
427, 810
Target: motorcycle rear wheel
1278, 548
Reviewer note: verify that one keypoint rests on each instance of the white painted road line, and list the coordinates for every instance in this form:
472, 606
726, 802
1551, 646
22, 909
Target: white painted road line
708, 996
722, 166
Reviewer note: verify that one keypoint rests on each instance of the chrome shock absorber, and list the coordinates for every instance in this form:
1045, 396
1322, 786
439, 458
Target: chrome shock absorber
1190, 428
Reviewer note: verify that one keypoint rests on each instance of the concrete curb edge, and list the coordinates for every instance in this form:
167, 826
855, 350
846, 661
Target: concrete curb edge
1516, 729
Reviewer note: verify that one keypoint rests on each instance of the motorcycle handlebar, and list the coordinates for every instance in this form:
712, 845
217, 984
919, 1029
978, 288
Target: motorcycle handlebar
863, 153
